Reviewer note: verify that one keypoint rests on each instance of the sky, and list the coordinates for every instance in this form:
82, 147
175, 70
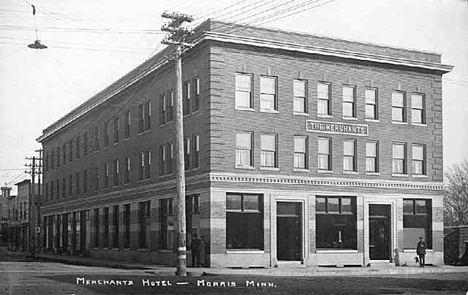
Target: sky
92, 43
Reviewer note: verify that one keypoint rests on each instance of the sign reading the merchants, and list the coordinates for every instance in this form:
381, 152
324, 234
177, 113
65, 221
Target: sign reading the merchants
337, 128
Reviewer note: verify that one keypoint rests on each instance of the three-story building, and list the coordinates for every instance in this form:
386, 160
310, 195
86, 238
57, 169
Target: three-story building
297, 148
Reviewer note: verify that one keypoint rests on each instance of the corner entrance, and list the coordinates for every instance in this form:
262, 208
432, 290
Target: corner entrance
379, 232
288, 237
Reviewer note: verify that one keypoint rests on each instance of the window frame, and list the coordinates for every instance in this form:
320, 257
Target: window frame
403, 159
421, 110
237, 91
300, 100
351, 102
350, 156
375, 157
264, 95
400, 108
422, 161
327, 154
304, 153
374, 104
264, 152
324, 99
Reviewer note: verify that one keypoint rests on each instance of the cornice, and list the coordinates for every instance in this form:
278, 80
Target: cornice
320, 181
346, 54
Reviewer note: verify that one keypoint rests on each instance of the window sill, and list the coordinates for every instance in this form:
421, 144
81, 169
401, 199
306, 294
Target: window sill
165, 251
399, 123
245, 167
244, 109
351, 172
324, 116
270, 168
143, 250
373, 173
414, 250
336, 251
372, 120
419, 176
196, 112
241, 251
325, 171
301, 170
350, 118
419, 124
300, 114
269, 111
116, 143
400, 175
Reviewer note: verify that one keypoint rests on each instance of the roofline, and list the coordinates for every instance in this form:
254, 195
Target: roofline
354, 55
336, 38
23, 181
252, 41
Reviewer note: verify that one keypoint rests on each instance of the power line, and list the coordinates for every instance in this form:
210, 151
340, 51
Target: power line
81, 30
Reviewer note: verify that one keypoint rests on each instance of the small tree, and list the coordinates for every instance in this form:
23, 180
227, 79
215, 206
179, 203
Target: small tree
456, 195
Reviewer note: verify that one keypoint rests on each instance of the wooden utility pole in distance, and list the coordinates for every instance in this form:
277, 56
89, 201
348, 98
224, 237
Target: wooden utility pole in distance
32, 206
175, 38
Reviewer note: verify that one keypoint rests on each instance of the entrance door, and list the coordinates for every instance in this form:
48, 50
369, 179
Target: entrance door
288, 224
379, 232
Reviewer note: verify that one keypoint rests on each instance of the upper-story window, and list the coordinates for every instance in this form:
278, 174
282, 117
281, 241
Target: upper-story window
269, 153
85, 143
96, 178
64, 149
300, 96
196, 151
106, 175
162, 160
145, 165
196, 94
96, 138
419, 159
105, 132
418, 115
372, 160
116, 129
323, 99
371, 103
85, 181
349, 155
300, 152
244, 155
162, 109
77, 183
116, 172
399, 158
170, 106
52, 157
268, 94
70, 154
324, 153
187, 148
187, 97
244, 97
127, 170
127, 124
349, 102
58, 156
144, 116
170, 157
78, 146
398, 107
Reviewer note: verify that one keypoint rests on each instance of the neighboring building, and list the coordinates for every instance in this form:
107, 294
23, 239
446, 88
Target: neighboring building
4, 220
24, 189
11, 218
456, 245
297, 148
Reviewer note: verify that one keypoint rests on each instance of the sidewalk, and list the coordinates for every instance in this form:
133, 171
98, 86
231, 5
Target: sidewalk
287, 269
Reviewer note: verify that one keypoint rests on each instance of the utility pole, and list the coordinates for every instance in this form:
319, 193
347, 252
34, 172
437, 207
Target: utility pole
175, 38
35, 170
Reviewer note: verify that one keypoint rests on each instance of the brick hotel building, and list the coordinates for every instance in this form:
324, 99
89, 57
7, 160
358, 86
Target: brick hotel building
297, 148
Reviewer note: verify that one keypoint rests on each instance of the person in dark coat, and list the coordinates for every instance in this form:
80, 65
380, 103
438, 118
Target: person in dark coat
421, 251
195, 247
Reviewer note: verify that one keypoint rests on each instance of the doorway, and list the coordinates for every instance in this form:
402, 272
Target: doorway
379, 232
289, 231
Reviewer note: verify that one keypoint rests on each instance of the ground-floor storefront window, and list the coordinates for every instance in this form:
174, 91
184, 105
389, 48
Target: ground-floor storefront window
244, 221
417, 222
336, 222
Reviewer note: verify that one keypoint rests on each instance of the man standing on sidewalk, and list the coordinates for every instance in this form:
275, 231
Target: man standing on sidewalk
421, 251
